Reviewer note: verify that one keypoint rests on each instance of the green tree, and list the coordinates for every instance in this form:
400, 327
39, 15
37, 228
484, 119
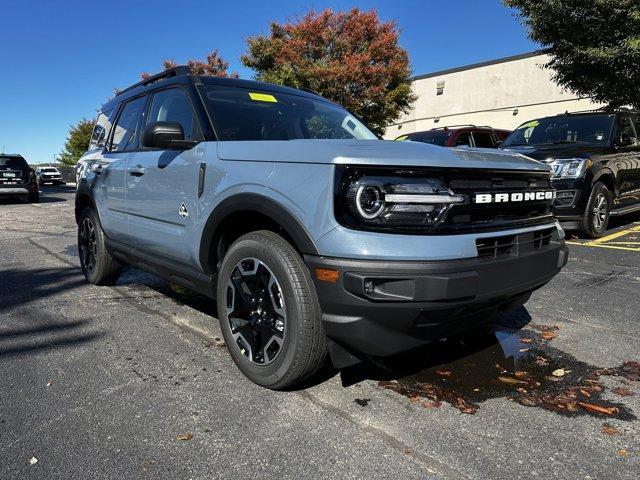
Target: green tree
594, 45
77, 142
351, 57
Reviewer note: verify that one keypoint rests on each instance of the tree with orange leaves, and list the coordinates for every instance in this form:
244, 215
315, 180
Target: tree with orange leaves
352, 58
214, 65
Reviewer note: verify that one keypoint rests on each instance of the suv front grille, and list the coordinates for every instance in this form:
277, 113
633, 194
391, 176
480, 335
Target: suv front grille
471, 217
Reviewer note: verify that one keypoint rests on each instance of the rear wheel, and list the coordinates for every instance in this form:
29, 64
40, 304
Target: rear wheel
596, 216
269, 312
98, 266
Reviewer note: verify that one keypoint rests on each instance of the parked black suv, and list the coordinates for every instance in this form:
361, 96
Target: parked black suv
17, 178
596, 164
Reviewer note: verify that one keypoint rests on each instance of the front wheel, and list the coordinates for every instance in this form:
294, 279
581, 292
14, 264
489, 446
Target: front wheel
98, 266
596, 216
269, 312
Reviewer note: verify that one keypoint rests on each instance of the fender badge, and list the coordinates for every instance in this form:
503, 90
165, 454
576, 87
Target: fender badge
182, 211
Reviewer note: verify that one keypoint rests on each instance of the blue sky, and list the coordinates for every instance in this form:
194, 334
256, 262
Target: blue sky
62, 59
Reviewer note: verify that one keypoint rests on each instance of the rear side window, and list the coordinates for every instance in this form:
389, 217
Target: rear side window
101, 131
627, 135
124, 133
483, 139
463, 140
173, 105
13, 162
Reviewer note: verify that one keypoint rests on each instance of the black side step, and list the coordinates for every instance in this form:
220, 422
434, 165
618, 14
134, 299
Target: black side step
625, 210
171, 271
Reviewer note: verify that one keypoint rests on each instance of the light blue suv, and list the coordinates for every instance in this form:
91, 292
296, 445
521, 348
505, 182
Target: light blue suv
316, 238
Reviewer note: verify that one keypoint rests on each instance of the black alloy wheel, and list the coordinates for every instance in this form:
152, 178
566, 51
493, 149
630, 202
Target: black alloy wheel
256, 311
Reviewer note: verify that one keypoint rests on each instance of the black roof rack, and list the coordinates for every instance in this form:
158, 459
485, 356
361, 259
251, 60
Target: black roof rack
604, 109
171, 72
470, 125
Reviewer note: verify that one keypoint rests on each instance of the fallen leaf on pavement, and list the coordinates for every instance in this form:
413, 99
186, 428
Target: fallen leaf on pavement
622, 452
590, 407
33, 460
49, 383
610, 429
511, 380
526, 340
548, 335
185, 437
520, 374
585, 393
623, 392
443, 373
558, 373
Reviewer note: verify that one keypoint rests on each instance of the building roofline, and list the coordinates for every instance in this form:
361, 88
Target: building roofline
486, 63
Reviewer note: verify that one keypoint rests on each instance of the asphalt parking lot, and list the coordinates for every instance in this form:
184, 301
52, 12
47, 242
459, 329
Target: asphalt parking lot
132, 382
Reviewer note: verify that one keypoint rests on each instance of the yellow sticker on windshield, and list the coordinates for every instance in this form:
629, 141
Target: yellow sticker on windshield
262, 97
402, 138
532, 124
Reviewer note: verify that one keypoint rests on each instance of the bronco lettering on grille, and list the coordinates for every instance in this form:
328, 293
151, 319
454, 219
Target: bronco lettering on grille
515, 197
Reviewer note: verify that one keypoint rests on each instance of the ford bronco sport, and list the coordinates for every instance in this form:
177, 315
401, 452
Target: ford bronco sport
596, 164
315, 237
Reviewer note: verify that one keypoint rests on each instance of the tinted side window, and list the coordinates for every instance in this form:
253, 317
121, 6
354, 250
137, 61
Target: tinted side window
173, 105
627, 136
101, 131
463, 140
483, 139
124, 135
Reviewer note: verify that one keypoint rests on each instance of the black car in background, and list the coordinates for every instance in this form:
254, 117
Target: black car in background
17, 178
595, 158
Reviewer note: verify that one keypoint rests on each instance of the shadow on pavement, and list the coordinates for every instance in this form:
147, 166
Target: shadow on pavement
22, 286
44, 333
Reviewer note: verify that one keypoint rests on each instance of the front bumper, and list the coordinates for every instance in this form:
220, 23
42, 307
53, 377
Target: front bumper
14, 190
381, 308
571, 201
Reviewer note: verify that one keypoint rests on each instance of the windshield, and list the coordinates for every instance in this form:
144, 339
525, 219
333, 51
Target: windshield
13, 162
592, 129
242, 114
433, 137
48, 170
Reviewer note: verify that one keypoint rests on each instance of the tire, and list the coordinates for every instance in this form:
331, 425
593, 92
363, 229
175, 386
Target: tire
284, 344
596, 215
98, 266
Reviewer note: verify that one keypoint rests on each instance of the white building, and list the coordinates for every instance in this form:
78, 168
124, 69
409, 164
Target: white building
502, 93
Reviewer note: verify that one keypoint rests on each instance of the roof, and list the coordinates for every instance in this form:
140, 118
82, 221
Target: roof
180, 75
511, 58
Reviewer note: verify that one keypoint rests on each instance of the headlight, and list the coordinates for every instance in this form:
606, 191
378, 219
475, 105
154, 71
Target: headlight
569, 167
379, 201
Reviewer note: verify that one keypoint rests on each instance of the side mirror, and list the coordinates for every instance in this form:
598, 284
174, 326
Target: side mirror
165, 136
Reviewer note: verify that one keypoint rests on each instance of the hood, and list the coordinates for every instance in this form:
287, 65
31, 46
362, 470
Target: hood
375, 153
562, 150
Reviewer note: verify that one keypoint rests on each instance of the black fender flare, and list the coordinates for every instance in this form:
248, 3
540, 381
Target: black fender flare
251, 202
83, 190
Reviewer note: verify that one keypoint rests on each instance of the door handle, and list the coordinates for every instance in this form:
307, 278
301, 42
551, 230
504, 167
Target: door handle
137, 172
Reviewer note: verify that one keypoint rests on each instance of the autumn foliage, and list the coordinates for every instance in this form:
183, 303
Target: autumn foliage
352, 58
214, 65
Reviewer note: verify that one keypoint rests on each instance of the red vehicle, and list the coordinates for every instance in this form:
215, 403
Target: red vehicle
459, 136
